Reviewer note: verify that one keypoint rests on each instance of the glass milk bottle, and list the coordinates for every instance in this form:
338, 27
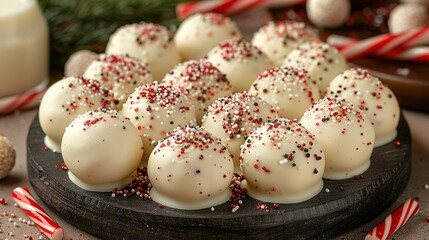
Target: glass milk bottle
24, 46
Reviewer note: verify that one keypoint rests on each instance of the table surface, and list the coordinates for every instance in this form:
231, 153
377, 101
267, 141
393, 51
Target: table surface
15, 127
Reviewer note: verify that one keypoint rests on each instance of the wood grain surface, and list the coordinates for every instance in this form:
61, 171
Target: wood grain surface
347, 204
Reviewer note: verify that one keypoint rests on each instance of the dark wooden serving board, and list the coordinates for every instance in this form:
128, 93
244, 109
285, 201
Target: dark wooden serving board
328, 214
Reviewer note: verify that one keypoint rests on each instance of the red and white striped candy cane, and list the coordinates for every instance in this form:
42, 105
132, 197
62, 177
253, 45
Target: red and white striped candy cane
417, 54
25, 100
394, 221
385, 43
47, 226
228, 7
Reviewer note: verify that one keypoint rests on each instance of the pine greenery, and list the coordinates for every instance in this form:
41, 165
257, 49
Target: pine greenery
87, 24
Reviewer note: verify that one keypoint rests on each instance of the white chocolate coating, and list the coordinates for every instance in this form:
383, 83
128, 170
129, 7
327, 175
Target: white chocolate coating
290, 90
149, 42
322, 61
190, 169
120, 74
201, 32
155, 110
345, 133
368, 93
282, 163
408, 16
200, 81
278, 39
64, 101
328, 13
233, 117
240, 61
102, 149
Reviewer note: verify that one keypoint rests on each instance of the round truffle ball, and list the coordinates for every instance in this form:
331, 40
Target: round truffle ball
328, 13
408, 16
64, 101
322, 61
102, 149
119, 73
201, 32
278, 39
345, 133
201, 82
7, 157
369, 94
233, 117
282, 163
240, 61
190, 169
290, 90
149, 42
155, 110
78, 62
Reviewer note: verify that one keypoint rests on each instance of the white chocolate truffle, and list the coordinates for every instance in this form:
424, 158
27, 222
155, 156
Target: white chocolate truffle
233, 117
155, 110
78, 62
345, 133
290, 90
328, 13
149, 42
322, 61
102, 150
119, 73
240, 61
201, 82
278, 39
7, 157
369, 94
282, 163
190, 169
64, 101
201, 32
408, 16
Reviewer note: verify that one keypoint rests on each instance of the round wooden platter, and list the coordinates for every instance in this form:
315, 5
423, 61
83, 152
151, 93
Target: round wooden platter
408, 80
347, 204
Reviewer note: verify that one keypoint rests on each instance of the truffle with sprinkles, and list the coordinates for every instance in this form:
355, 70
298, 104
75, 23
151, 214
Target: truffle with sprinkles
345, 133
102, 150
278, 39
282, 162
119, 73
200, 81
290, 90
201, 32
231, 119
65, 100
322, 61
240, 61
190, 169
155, 110
367, 92
149, 42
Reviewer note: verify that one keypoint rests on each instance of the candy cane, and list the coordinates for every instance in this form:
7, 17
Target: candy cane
46, 225
228, 7
384, 44
21, 101
417, 54
394, 221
